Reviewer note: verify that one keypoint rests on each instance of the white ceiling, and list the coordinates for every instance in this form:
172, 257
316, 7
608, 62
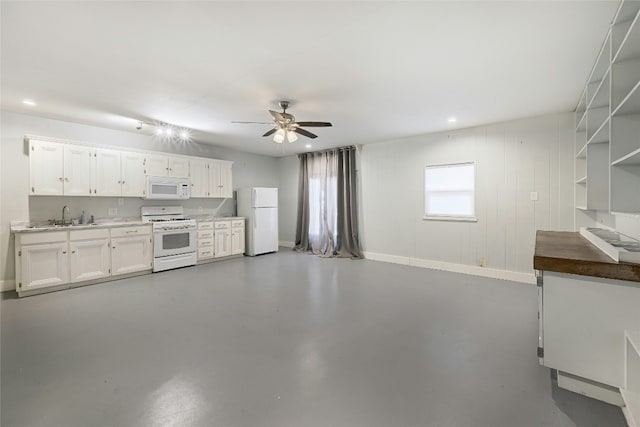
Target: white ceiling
377, 70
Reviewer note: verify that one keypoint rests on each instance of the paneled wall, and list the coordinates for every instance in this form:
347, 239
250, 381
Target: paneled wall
16, 204
513, 159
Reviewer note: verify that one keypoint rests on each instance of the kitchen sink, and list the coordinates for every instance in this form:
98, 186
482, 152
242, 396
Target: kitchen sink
43, 227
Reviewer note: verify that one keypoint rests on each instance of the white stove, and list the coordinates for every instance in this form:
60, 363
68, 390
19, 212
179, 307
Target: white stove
174, 237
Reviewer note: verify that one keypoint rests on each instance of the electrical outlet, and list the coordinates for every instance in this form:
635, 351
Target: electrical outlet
113, 211
534, 196
483, 262
200, 209
120, 202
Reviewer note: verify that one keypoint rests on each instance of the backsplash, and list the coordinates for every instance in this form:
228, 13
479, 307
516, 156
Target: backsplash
50, 207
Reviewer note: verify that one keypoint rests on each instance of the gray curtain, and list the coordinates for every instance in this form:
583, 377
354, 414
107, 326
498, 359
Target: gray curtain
327, 223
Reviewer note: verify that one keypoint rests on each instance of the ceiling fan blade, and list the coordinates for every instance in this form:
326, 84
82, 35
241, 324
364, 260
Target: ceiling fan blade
314, 124
305, 133
270, 132
260, 123
278, 116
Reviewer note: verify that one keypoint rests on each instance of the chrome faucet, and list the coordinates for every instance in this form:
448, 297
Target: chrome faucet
65, 209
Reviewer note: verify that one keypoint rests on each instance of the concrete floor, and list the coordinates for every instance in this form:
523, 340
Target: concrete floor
284, 340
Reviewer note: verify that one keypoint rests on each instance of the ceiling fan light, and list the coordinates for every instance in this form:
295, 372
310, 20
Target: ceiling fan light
278, 137
291, 136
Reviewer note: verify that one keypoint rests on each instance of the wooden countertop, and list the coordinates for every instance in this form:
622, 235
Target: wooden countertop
569, 252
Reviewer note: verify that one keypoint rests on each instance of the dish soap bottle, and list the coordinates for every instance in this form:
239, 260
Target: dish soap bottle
83, 218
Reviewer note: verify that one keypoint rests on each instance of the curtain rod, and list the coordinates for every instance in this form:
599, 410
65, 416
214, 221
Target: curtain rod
357, 147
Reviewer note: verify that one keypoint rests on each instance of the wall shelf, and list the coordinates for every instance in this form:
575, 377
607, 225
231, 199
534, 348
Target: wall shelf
632, 158
607, 169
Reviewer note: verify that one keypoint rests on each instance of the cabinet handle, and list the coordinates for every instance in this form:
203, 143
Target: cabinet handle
66, 179
132, 231
113, 247
119, 182
73, 252
123, 182
33, 189
60, 179
64, 252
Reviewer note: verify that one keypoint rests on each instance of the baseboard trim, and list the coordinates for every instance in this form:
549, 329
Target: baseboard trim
286, 244
473, 270
7, 285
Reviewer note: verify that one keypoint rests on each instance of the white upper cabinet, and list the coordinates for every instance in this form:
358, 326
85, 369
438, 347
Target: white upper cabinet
60, 168
132, 174
155, 165
46, 171
179, 167
77, 170
220, 180
199, 177
108, 181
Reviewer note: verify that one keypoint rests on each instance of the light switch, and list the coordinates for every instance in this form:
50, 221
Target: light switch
534, 196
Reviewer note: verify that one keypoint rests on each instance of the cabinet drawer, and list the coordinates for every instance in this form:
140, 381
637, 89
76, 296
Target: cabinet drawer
205, 242
46, 237
207, 234
205, 253
237, 223
206, 225
222, 224
102, 233
130, 231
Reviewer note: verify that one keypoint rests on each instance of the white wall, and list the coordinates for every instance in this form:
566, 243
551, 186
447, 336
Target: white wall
288, 168
15, 204
512, 159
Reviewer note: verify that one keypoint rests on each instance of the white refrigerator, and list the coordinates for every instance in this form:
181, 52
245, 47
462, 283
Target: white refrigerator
260, 206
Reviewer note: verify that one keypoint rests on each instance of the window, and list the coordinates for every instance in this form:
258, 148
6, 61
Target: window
449, 192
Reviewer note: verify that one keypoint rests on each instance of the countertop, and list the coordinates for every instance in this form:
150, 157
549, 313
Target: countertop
28, 227
36, 227
569, 252
201, 218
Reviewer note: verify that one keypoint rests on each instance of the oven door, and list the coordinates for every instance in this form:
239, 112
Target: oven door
173, 242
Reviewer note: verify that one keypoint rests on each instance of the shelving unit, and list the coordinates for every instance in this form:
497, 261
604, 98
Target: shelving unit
607, 163
631, 391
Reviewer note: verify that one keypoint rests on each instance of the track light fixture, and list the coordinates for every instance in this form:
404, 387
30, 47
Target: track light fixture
167, 131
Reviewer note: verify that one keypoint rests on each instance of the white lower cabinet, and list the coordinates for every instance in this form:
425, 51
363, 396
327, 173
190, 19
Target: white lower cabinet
205, 240
41, 260
237, 237
90, 255
53, 258
222, 239
131, 249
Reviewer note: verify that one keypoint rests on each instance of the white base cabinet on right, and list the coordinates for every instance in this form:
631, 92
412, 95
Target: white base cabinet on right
131, 249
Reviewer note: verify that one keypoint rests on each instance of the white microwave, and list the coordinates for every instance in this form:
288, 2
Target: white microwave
167, 188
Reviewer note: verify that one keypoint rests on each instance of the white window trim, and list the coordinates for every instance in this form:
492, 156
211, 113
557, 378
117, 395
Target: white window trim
454, 218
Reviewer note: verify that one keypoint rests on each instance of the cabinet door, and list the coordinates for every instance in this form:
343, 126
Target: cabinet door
226, 185
156, 165
237, 240
43, 265
46, 169
108, 181
178, 167
77, 170
199, 177
132, 174
214, 180
222, 243
130, 254
89, 259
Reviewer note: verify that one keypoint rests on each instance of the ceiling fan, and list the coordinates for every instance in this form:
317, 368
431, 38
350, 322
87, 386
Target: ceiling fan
285, 125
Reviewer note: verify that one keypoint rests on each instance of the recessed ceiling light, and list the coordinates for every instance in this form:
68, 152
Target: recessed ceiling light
29, 102
452, 120
307, 146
